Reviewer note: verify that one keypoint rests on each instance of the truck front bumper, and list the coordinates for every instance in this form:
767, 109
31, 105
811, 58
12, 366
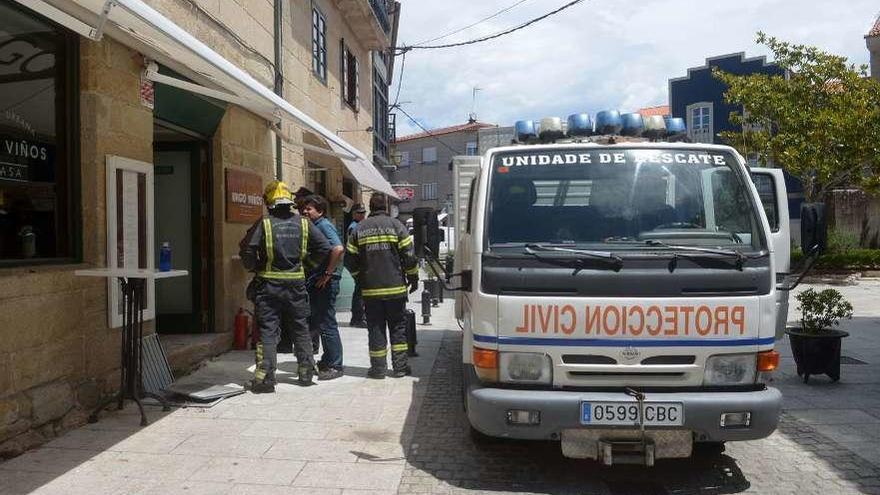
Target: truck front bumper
487, 409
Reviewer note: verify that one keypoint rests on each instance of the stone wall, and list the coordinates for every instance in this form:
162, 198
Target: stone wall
243, 141
57, 356
857, 214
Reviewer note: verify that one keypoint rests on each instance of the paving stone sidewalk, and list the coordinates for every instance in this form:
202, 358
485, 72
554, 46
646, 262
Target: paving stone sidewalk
408, 435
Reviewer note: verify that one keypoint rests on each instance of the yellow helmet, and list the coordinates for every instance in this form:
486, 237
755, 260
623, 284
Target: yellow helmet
277, 193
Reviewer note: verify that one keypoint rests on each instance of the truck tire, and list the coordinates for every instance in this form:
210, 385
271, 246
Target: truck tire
708, 449
481, 440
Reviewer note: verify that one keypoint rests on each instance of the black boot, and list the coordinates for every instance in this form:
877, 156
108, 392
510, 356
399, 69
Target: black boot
402, 372
305, 375
262, 388
376, 373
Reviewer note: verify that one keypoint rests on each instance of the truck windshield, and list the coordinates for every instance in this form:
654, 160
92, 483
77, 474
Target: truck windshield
620, 199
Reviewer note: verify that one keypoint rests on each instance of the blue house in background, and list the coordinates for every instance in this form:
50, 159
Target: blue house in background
698, 98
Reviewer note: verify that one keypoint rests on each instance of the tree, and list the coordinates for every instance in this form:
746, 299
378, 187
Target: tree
821, 122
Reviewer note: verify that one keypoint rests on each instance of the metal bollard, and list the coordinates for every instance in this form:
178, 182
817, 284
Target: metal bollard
440, 290
426, 307
434, 293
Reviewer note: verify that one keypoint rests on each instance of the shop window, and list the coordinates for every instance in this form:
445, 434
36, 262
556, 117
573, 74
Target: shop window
38, 137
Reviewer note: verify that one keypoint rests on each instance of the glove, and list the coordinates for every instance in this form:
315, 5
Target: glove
413, 282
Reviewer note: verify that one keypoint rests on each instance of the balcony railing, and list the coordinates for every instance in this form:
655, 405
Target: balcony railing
381, 14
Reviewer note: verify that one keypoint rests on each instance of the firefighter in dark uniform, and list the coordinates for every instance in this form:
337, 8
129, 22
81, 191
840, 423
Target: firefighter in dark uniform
276, 247
381, 256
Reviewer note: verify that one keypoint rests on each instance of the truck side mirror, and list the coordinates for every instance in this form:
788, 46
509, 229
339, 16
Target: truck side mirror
814, 229
426, 231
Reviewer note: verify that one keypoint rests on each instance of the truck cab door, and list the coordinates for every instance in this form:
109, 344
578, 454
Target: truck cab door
770, 183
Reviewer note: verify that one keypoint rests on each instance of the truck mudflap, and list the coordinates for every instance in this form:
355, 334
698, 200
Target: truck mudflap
555, 414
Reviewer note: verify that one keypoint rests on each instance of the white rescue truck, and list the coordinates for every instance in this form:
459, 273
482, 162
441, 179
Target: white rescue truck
621, 298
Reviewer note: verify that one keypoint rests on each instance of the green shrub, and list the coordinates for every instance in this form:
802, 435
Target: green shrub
842, 242
822, 310
854, 259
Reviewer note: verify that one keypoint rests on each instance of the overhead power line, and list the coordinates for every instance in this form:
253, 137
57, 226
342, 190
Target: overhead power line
429, 133
496, 14
526, 24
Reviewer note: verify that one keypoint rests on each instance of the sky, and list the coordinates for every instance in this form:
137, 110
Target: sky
596, 55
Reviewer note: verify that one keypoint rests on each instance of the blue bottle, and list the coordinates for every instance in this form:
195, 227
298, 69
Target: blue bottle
165, 257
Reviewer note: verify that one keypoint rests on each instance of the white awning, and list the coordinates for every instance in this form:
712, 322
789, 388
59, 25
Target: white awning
137, 25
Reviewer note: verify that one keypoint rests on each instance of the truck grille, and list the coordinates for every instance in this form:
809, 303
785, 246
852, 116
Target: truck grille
601, 370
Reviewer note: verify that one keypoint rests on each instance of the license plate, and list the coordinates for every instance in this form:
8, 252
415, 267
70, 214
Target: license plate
627, 413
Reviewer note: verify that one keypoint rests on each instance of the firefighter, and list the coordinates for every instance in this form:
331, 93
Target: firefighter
276, 247
381, 257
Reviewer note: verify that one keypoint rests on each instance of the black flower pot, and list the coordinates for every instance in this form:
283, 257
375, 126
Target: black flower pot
816, 354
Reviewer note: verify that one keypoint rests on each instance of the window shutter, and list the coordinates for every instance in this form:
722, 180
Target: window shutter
357, 84
344, 66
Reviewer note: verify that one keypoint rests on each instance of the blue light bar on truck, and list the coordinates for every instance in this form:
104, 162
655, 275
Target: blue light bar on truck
580, 124
633, 124
675, 127
655, 127
524, 130
608, 122
551, 128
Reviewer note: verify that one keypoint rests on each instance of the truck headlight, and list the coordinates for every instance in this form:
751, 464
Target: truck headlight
525, 367
730, 369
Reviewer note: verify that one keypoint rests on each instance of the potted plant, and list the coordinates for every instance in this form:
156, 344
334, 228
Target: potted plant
816, 343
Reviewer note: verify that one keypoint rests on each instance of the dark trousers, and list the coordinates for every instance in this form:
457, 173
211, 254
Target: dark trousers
281, 305
382, 314
323, 325
357, 304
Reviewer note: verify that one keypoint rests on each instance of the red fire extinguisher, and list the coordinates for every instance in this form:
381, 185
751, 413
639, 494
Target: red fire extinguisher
242, 325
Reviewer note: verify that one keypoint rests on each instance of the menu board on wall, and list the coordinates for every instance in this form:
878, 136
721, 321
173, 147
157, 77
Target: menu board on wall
244, 196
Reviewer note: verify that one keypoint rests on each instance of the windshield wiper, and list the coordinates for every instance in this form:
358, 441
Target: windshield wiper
740, 257
606, 256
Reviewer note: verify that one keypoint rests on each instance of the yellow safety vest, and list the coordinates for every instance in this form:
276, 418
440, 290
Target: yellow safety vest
269, 273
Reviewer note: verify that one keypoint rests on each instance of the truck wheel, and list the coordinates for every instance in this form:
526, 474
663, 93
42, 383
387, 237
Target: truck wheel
481, 440
709, 449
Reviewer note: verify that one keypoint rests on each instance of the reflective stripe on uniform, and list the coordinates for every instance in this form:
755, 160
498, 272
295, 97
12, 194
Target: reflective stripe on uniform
413, 271
405, 242
382, 353
375, 239
259, 371
269, 273
399, 347
389, 291
351, 248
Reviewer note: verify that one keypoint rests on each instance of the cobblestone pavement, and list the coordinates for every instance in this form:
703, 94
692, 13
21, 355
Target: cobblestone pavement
354, 436
442, 458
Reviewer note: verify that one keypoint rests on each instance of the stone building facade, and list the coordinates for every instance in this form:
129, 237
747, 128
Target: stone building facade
77, 101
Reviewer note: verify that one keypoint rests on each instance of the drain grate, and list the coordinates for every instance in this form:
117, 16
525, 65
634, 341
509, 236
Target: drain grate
850, 360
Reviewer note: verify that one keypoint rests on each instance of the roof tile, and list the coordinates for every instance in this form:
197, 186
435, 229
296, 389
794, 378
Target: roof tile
470, 126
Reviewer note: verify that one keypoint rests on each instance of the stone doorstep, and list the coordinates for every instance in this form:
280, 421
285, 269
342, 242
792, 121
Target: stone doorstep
186, 352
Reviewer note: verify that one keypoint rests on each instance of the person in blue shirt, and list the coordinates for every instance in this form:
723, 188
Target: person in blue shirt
358, 318
323, 285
